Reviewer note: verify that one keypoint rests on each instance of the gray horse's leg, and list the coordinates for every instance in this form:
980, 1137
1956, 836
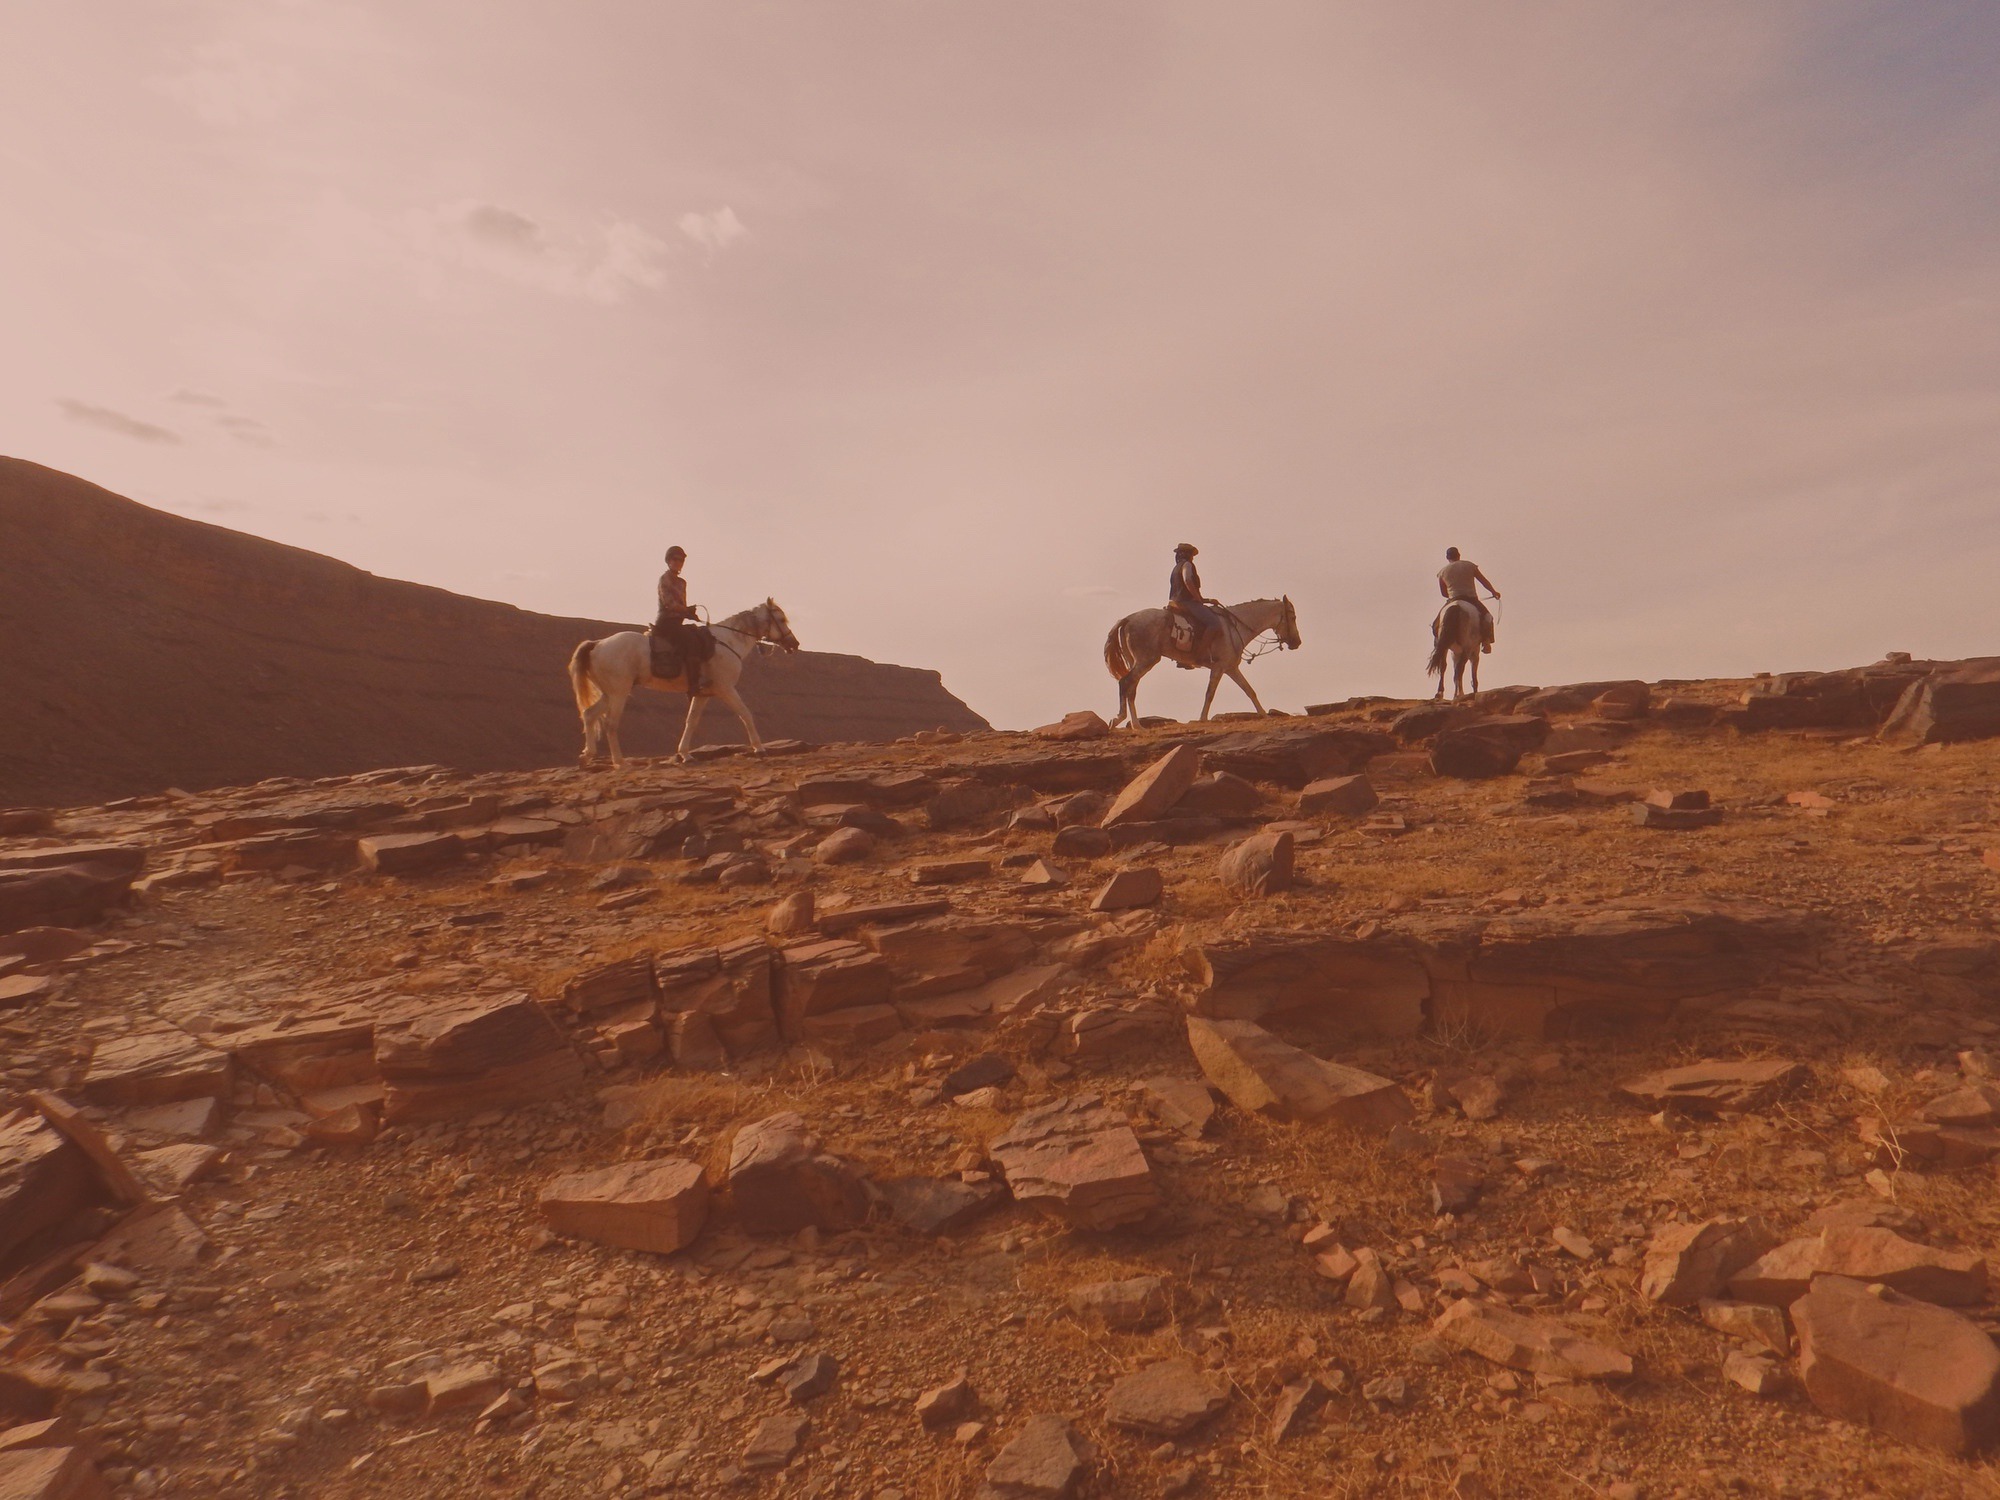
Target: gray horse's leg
1475, 671
1236, 676
1208, 698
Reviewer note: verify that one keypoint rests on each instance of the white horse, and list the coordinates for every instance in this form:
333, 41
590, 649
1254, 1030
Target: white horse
1138, 641
1459, 637
604, 673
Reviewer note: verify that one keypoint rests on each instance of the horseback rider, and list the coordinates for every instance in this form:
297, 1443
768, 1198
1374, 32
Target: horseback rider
670, 627
1184, 593
1458, 579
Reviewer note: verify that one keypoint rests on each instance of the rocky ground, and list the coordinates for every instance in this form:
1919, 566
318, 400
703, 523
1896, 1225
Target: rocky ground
1274, 1107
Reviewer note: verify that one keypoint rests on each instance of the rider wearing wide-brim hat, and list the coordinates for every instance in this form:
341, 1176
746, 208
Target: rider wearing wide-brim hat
1184, 592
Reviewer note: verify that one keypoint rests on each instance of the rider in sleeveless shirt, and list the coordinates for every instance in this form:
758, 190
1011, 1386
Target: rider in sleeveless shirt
671, 623
1184, 590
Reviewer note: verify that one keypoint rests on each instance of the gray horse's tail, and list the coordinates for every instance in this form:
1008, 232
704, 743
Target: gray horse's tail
579, 676
1117, 654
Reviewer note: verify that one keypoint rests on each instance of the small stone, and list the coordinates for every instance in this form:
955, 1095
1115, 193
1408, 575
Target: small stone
1167, 1399
434, 1270
775, 1441
948, 1404
1137, 885
1044, 1461
1262, 865
1755, 1324
809, 1377
1756, 1373
658, 1205
461, 1386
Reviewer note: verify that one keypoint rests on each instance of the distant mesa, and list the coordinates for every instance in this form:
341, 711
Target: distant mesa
141, 650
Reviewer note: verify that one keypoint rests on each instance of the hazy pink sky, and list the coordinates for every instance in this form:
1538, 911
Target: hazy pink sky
942, 323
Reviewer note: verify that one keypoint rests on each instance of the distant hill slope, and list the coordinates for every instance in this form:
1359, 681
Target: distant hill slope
141, 650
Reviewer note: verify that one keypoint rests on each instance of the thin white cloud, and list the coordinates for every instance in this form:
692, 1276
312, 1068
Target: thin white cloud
186, 397
107, 420
601, 262
715, 231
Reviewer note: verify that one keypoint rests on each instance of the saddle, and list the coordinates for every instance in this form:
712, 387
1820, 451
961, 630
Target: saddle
675, 652
1182, 631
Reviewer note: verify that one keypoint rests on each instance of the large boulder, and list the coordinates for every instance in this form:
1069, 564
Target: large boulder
1688, 1263
67, 885
1487, 747
1298, 756
1914, 1371
1259, 866
1149, 794
780, 1181
1947, 708
1263, 1075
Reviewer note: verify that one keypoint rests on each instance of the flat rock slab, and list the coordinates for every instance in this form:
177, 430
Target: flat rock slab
1137, 1302
1079, 1160
1715, 1087
1263, 1075
933, 1206
1182, 1103
1951, 1278
657, 1205
157, 1067
1540, 1346
1046, 1460
1917, 1372
1165, 1400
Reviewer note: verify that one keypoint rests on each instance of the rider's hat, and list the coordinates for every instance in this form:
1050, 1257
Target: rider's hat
674, 552
1188, 547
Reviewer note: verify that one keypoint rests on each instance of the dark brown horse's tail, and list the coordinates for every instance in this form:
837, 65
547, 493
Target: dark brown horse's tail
579, 676
1117, 655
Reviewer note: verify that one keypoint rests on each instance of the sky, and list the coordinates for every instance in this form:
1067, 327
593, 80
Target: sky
942, 323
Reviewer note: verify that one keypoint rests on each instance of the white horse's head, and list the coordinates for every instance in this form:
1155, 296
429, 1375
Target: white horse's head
1288, 625
772, 626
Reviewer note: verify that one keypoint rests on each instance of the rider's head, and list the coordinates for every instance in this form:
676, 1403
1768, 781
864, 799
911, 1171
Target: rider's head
1451, 554
676, 555
1186, 549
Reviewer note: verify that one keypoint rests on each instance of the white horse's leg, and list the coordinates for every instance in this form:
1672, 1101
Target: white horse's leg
1236, 676
614, 710
1208, 698
742, 711
696, 703
1473, 655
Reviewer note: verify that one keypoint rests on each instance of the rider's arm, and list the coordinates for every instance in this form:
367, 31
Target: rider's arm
1482, 578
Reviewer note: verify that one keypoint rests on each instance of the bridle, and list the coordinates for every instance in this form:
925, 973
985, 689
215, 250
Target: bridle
1276, 642
754, 639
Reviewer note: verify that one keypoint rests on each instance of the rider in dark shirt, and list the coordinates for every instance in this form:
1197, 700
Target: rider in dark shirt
1184, 590
671, 623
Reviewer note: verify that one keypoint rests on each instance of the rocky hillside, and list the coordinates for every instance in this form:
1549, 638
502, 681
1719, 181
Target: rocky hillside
141, 651
1589, 1091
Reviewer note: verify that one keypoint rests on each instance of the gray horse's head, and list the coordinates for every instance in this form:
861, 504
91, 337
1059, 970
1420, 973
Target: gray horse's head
1288, 625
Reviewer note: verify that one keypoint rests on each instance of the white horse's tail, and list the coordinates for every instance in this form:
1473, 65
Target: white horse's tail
1447, 628
579, 677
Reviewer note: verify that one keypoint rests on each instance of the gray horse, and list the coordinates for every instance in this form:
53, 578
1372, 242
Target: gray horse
1138, 641
1458, 637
